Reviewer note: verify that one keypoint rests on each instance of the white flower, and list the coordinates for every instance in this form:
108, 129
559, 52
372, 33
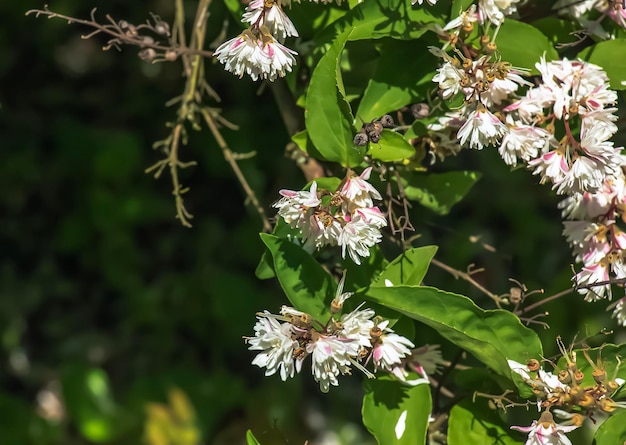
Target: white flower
449, 78
495, 10
357, 237
274, 18
330, 357
281, 59
482, 128
619, 311
419, 2
523, 142
546, 432
357, 325
589, 275
551, 166
294, 204
275, 341
243, 54
390, 348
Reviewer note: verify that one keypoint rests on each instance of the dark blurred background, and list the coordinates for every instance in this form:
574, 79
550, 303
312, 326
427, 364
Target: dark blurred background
117, 324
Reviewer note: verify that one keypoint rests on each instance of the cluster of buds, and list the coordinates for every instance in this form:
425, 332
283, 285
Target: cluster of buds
354, 339
567, 394
151, 50
346, 217
370, 131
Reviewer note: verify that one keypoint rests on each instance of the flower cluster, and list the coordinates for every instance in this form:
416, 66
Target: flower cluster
576, 94
567, 394
334, 346
346, 217
614, 10
258, 50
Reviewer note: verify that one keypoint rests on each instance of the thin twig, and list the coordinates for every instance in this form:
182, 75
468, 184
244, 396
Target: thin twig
467, 277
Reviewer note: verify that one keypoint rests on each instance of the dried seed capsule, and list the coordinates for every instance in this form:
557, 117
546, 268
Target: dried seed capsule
360, 139
374, 136
387, 121
147, 54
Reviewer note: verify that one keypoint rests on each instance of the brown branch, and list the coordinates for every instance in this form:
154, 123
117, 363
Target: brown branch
468, 277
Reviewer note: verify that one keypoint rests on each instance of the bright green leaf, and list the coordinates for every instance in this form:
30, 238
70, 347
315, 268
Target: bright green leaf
396, 413
535, 44
474, 423
556, 30
409, 267
439, 191
250, 439
327, 116
492, 336
391, 147
608, 55
307, 285
612, 431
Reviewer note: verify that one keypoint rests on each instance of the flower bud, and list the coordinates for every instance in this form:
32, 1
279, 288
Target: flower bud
147, 55
420, 111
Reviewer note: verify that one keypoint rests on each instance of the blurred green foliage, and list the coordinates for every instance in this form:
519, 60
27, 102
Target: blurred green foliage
107, 304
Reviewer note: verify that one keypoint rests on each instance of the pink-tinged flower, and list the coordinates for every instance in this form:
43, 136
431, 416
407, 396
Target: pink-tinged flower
546, 432
390, 348
358, 191
275, 341
260, 56
243, 54
330, 357
552, 167
423, 361
481, 128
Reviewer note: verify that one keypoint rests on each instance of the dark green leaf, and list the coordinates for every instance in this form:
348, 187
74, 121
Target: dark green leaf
396, 413
409, 267
399, 80
492, 336
439, 191
608, 55
474, 423
307, 285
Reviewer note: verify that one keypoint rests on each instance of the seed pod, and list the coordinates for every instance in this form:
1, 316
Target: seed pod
360, 139
162, 28
374, 136
147, 55
420, 111
171, 55
387, 121
147, 40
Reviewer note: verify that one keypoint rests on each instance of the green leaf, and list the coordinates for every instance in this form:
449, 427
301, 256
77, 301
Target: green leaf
409, 267
556, 30
386, 18
523, 55
474, 423
396, 413
398, 80
250, 439
491, 336
607, 55
307, 285
439, 191
359, 276
391, 147
612, 431
327, 116
459, 6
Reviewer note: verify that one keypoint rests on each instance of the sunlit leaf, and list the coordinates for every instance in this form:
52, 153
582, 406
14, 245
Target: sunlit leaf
492, 336
607, 55
522, 45
307, 285
409, 267
475, 423
612, 431
439, 191
395, 413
